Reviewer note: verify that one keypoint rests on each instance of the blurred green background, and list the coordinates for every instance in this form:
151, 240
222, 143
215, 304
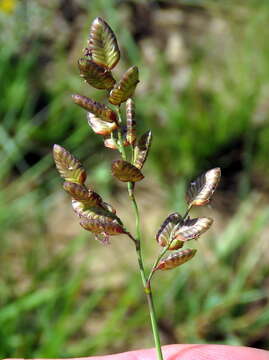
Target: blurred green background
204, 92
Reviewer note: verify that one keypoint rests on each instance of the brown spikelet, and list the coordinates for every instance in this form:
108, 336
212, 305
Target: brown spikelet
192, 228
200, 191
163, 236
100, 126
125, 171
100, 209
77, 191
97, 225
125, 88
68, 166
99, 110
142, 149
102, 44
130, 120
97, 219
95, 75
176, 259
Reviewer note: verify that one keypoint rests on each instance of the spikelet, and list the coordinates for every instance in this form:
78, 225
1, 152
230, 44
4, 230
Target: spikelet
125, 88
77, 191
191, 228
130, 120
99, 110
176, 259
102, 45
100, 126
125, 171
95, 75
98, 220
99, 209
68, 166
201, 190
98, 226
163, 236
142, 149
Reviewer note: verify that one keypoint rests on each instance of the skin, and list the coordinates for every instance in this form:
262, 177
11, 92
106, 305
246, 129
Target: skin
189, 352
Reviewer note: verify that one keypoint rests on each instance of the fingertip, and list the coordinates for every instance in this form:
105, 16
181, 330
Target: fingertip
213, 352
195, 352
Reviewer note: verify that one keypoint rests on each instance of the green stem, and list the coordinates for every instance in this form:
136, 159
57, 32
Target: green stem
137, 241
120, 145
157, 262
187, 212
146, 284
138, 234
153, 320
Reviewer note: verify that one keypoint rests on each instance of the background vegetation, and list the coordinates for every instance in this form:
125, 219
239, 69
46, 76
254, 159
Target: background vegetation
204, 92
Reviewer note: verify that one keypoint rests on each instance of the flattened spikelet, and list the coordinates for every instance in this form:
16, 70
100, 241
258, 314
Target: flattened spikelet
192, 228
98, 220
99, 110
102, 44
95, 75
163, 236
100, 210
176, 259
98, 226
130, 120
77, 191
125, 87
68, 166
201, 190
142, 149
100, 126
124, 171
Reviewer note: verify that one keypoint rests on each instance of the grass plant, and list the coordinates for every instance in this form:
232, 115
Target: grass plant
35, 258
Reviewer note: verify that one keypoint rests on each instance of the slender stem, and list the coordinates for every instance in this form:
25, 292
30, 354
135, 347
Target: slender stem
138, 234
137, 242
187, 212
131, 237
120, 145
133, 148
136, 210
154, 324
157, 262
146, 283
